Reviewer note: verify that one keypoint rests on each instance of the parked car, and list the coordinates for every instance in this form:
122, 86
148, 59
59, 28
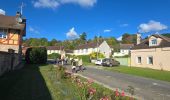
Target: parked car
110, 62
99, 62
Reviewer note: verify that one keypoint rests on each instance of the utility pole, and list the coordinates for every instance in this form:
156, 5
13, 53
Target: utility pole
97, 45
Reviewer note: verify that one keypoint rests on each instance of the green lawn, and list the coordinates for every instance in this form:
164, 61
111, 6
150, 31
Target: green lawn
145, 72
41, 82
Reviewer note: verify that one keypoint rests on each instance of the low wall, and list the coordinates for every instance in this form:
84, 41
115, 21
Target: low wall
8, 61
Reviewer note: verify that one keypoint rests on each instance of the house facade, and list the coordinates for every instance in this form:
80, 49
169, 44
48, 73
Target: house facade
88, 48
153, 52
12, 29
54, 49
124, 50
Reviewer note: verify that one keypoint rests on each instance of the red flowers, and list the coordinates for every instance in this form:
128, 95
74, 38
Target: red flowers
123, 94
92, 91
104, 98
116, 92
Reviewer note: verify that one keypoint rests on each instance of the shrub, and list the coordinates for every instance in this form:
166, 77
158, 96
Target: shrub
36, 55
85, 58
94, 55
54, 56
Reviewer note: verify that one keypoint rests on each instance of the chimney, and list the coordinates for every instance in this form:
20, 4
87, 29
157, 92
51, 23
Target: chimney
18, 14
138, 35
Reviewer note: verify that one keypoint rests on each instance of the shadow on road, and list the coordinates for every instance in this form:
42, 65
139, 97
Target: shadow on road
24, 84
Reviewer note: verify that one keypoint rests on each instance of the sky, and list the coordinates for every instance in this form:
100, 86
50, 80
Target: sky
67, 19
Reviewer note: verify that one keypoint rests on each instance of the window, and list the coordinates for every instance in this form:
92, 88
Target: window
154, 41
150, 60
3, 33
139, 60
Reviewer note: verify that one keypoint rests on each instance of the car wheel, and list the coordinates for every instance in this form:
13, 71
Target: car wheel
110, 65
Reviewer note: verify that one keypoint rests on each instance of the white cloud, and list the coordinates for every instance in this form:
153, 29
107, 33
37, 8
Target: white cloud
151, 26
107, 30
72, 34
83, 3
124, 25
55, 3
119, 38
2, 12
46, 4
33, 30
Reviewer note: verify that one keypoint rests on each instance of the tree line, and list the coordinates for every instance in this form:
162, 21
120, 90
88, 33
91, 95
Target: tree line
71, 44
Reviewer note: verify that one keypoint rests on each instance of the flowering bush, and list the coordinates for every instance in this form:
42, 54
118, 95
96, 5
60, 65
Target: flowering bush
86, 89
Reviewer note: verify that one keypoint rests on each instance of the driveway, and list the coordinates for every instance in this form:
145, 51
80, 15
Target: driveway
145, 88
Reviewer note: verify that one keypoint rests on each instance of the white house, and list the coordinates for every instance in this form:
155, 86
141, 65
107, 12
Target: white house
124, 50
54, 49
88, 48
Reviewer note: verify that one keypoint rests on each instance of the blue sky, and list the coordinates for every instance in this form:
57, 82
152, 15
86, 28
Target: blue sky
66, 19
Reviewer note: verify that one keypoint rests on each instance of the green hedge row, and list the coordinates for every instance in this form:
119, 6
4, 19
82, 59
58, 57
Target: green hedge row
36, 55
85, 58
54, 56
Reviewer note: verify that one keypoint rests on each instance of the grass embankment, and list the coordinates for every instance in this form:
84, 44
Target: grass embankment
144, 72
41, 82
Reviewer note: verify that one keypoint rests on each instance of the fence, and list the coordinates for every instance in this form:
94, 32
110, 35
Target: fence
8, 61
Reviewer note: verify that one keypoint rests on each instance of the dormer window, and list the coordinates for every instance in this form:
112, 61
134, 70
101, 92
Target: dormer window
154, 42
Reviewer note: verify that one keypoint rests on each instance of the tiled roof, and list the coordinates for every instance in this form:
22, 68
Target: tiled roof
145, 43
126, 46
11, 22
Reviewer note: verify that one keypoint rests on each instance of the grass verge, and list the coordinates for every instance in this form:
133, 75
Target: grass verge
144, 72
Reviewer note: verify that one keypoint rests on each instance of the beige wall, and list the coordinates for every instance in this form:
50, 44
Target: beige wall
161, 58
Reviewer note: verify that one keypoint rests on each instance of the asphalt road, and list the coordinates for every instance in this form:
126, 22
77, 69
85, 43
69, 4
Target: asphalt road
145, 88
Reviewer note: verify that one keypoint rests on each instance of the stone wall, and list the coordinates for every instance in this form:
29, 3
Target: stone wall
6, 47
9, 61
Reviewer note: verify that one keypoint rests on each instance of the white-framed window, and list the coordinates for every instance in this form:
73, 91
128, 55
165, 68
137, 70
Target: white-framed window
139, 60
150, 60
3, 33
154, 42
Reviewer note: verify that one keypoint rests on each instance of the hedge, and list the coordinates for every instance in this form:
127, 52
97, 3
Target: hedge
85, 58
36, 55
54, 56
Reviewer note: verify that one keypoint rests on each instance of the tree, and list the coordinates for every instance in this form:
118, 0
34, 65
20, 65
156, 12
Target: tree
83, 36
111, 41
53, 42
128, 38
166, 34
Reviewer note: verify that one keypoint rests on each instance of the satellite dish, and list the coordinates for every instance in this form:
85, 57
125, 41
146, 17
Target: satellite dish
19, 19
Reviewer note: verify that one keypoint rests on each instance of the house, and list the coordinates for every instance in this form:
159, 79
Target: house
12, 29
88, 48
153, 52
54, 49
124, 50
